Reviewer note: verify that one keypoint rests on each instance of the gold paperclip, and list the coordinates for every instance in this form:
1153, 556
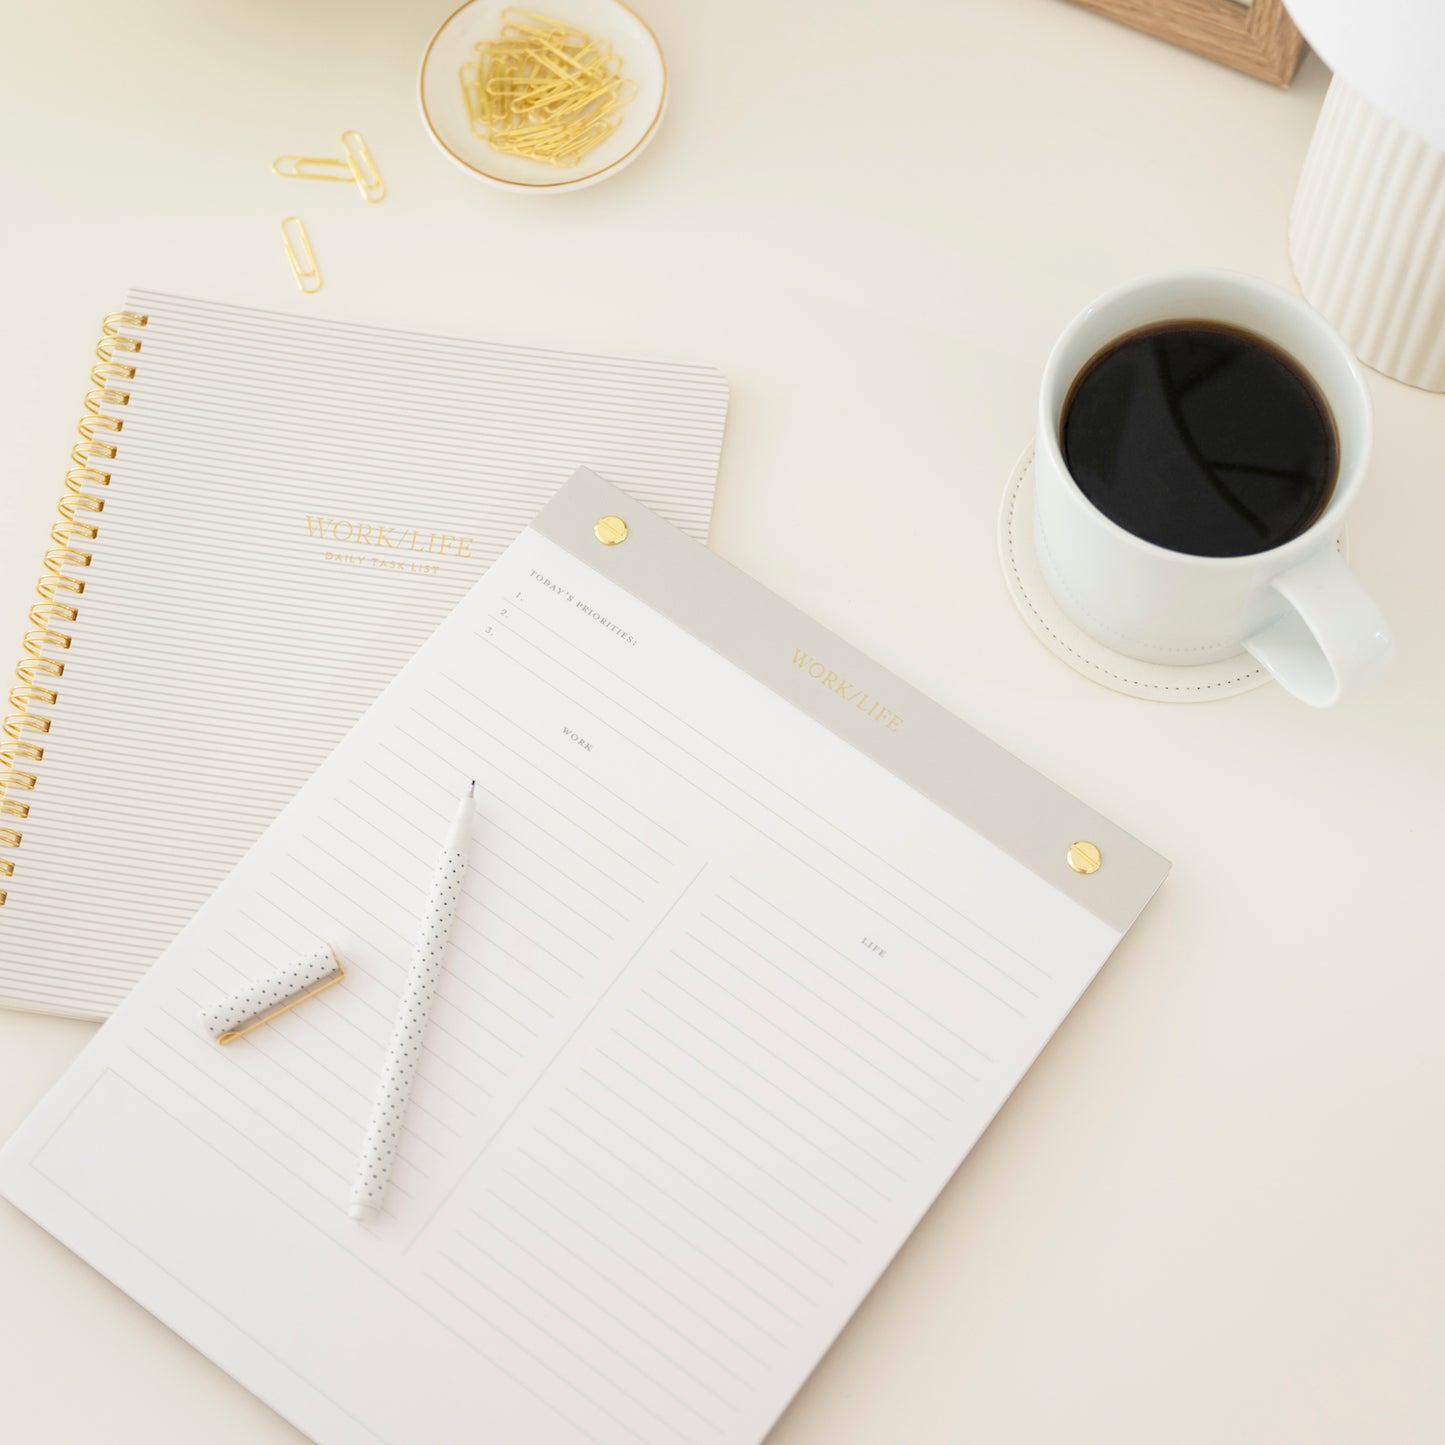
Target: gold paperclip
300, 255
363, 167
312, 168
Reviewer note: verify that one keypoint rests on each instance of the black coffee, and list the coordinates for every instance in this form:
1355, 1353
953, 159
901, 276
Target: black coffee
1201, 438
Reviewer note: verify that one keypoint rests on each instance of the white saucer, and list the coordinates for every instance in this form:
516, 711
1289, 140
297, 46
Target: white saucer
444, 108
1199, 682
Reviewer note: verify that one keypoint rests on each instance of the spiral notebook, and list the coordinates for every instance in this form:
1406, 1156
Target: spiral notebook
264, 517
754, 943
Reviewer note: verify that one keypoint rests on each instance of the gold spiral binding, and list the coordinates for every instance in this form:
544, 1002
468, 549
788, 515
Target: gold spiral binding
35, 694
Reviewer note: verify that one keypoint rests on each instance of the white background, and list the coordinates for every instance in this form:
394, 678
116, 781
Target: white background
1212, 1210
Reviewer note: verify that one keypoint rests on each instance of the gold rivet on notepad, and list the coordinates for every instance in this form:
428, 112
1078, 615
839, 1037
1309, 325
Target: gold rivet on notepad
610, 531
1084, 856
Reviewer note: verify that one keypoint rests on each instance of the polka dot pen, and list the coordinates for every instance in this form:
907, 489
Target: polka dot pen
388, 1113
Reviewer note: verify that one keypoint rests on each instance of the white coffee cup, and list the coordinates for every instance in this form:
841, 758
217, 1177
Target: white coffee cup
1296, 607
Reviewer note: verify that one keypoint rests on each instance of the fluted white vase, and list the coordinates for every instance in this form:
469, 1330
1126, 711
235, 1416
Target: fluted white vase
1367, 238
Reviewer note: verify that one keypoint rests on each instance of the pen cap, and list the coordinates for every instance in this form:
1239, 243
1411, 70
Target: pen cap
272, 994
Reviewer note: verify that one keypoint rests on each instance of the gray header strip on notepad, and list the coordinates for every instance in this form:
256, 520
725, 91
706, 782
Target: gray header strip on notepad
920, 743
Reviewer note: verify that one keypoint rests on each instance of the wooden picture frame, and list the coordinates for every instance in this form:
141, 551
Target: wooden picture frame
1258, 38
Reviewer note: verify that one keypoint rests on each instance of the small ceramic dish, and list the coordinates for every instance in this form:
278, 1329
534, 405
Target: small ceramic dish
444, 107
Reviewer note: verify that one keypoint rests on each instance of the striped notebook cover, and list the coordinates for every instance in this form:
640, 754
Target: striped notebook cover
264, 517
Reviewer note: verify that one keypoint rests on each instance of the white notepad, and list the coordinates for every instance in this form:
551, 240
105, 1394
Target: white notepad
755, 942
293, 504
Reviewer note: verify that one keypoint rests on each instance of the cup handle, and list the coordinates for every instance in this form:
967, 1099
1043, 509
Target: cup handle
1331, 639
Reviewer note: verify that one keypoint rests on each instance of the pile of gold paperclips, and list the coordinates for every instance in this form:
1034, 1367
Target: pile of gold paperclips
545, 89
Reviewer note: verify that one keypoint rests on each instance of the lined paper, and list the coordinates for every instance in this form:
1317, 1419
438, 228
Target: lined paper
295, 504
725, 1005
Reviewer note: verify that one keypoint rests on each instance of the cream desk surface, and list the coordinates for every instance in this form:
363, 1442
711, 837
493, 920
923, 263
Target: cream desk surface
1211, 1212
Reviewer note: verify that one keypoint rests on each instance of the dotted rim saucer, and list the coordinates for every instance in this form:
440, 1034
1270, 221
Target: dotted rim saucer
1161, 682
